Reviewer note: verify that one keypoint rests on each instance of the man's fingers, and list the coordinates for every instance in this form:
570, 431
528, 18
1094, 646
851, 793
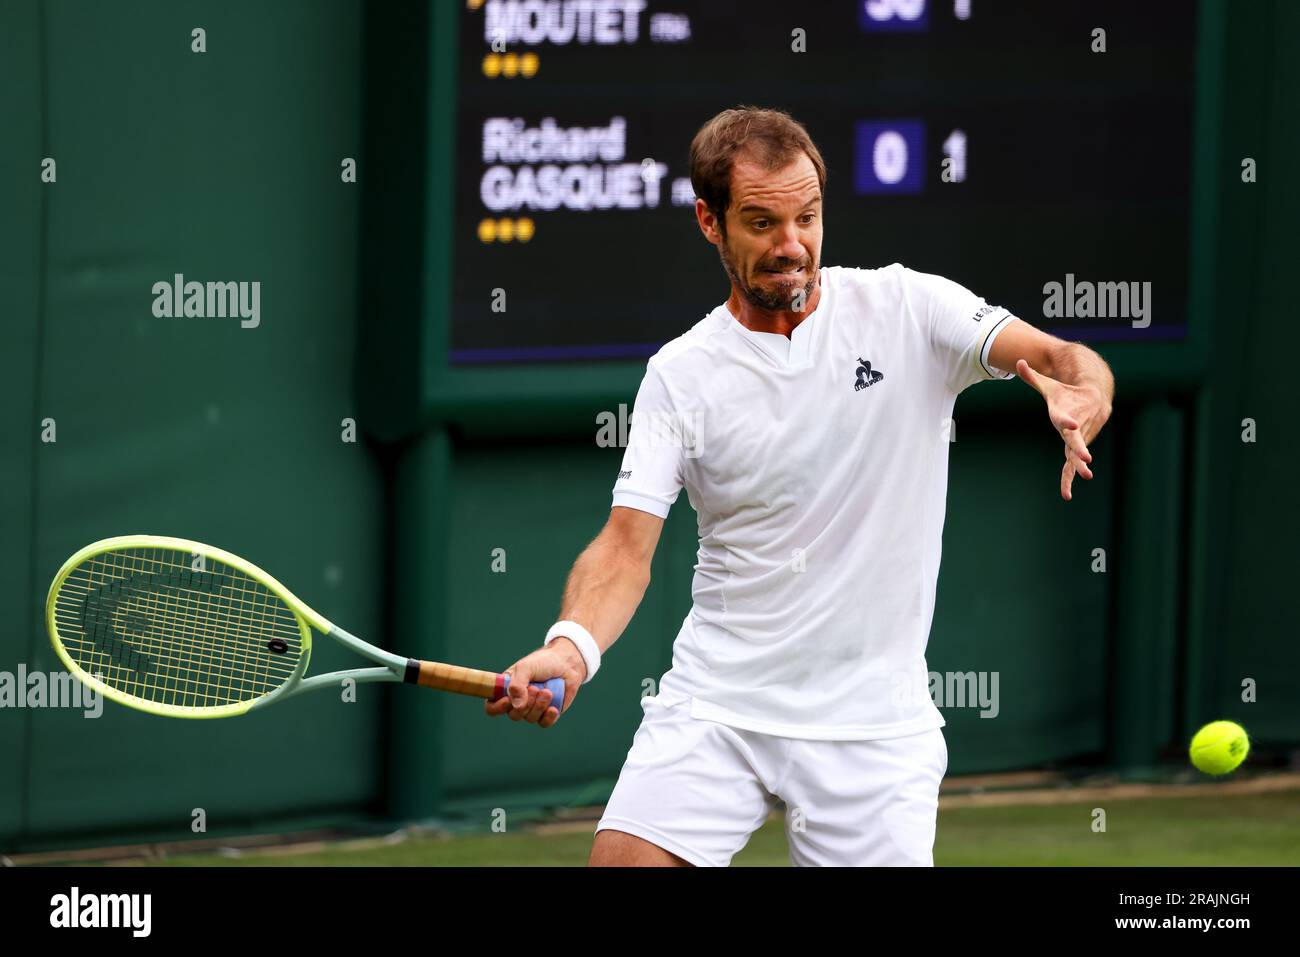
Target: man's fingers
539, 706
535, 704
1039, 383
1074, 442
520, 675
538, 709
1081, 466
1073, 466
1067, 480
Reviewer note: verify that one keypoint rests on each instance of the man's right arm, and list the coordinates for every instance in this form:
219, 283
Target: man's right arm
610, 577
604, 588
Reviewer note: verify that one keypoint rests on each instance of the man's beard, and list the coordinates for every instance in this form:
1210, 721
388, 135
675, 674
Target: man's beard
778, 300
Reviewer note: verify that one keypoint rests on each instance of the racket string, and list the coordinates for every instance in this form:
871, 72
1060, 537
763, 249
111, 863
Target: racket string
151, 625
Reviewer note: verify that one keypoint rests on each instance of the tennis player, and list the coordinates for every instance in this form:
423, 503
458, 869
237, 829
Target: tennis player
808, 420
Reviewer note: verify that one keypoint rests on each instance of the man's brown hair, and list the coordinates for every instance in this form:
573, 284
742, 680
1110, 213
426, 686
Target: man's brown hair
771, 138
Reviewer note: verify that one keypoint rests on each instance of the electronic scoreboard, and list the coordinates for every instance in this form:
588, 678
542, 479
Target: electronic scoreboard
1037, 153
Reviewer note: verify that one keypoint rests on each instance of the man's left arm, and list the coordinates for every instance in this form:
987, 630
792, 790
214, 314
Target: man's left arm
1075, 382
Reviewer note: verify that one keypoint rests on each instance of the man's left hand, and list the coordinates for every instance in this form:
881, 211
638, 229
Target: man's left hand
1078, 412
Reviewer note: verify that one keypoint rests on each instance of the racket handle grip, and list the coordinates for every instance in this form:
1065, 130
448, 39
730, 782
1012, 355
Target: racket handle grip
554, 685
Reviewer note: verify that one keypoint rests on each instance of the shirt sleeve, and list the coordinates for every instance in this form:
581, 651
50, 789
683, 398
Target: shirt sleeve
651, 476
961, 327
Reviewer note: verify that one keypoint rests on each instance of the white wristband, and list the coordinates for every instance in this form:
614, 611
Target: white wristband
581, 637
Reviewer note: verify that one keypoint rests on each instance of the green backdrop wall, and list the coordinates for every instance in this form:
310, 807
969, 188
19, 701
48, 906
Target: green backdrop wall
222, 166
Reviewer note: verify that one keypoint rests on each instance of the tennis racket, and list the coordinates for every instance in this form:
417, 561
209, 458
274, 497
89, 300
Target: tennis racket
185, 630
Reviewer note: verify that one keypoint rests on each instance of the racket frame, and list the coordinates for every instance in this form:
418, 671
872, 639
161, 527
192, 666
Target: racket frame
393, 666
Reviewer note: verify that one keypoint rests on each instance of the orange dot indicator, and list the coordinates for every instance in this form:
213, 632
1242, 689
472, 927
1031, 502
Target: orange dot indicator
510, 64
487, 230
528, 64
524, 230
506, 230
491, 66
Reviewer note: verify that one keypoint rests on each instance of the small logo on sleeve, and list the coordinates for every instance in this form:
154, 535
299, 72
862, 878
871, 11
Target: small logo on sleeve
625, 474
866, 375
984, 312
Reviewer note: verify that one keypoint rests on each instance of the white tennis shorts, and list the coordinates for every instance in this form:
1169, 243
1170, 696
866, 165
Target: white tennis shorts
699, 789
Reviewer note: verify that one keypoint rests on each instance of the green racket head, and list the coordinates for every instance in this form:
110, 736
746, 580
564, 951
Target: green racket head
177, 628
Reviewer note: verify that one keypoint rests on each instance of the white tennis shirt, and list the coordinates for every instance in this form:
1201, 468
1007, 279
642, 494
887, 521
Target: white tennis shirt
818, 469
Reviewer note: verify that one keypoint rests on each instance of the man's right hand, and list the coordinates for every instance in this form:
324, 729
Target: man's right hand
559, 659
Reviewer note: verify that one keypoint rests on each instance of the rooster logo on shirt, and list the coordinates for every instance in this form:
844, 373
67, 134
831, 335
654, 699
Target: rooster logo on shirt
866, 376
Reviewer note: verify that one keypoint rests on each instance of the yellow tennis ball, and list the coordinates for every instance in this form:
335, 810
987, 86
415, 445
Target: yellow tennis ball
1220, 747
